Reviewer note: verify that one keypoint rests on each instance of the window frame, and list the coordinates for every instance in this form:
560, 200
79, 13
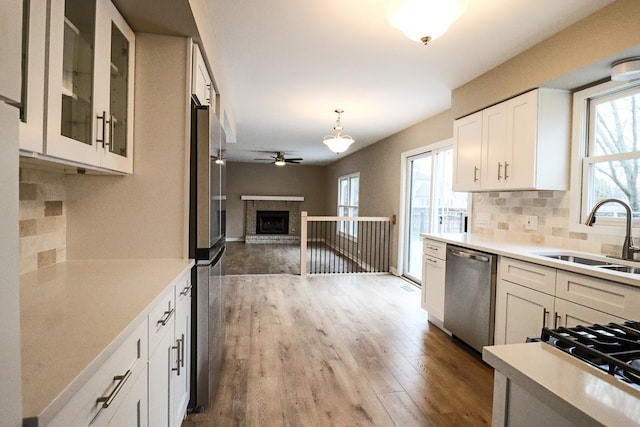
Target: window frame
352, 232
580, 158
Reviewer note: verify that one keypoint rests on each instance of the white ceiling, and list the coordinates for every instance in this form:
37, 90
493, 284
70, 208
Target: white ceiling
288, 64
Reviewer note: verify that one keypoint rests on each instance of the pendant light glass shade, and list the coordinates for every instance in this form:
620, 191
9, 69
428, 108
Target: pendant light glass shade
424, 20
338, 143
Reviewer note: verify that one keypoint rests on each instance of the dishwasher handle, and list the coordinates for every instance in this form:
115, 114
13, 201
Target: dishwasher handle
470, 255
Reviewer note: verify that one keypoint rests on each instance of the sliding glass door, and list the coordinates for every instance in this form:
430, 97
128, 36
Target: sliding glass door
431, 205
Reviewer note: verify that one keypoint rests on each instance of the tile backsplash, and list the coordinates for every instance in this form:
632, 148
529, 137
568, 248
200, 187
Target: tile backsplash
508, 211
42, 219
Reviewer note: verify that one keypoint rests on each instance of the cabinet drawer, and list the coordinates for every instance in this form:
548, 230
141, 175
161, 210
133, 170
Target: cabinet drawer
105, 391
161, 318
434, 248
533, 276
602, 295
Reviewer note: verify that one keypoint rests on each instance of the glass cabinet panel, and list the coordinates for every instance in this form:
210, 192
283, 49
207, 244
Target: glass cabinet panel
77, 70
118, 95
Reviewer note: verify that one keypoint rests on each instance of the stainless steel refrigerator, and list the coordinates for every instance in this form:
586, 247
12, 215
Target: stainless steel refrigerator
207, 218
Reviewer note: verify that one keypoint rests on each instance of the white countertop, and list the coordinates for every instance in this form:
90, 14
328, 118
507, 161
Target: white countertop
530, 253
557, 378
72, 313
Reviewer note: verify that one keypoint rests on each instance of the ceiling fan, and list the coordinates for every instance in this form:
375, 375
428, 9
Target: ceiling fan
280, 160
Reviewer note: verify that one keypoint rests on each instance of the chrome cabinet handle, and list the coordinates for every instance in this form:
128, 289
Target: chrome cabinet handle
433, 248
475, 174
108, 400
545, 313
185, 290
103, 117
165, 317
556, 320
499, 169
432, 261
506, 165
179, 348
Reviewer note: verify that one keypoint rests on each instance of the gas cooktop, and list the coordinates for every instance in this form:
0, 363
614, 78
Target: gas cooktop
613, 347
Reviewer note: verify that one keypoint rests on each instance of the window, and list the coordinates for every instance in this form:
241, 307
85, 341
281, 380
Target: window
348, 200
609, 149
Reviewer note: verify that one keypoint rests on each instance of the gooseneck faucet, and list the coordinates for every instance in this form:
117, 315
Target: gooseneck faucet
628, 248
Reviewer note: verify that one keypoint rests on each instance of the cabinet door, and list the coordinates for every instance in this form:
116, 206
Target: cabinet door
467, 137
183, 342
494, 141
520, 313
115, 51
161, 384
202, 85
569, 315
70, 108
133, 410
32, 123
433, 287
520, 149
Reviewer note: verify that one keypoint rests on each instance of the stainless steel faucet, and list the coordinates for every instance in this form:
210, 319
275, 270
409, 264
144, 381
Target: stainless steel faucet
628, 248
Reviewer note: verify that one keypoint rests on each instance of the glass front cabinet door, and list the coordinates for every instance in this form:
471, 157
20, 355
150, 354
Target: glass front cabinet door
90, 85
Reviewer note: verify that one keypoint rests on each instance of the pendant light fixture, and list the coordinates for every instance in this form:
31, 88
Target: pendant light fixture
424, 20
338, 143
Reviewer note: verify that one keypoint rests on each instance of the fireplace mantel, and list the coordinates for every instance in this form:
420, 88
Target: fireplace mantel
275, 198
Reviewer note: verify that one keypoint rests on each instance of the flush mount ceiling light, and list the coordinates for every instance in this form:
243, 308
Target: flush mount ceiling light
338, 143
424, 20
626, 69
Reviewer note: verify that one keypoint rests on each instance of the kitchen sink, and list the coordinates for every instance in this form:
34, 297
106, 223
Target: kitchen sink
576, 259
622, 268
596, 261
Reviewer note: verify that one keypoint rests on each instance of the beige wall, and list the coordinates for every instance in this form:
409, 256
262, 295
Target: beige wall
143, 215
270, 180
569, 53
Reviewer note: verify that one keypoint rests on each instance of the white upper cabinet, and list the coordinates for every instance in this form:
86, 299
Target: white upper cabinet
90, 85
201, 81
467, 137
523, 144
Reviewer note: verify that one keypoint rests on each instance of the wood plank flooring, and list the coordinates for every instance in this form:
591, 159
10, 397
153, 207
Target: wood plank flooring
262, 258
341, 350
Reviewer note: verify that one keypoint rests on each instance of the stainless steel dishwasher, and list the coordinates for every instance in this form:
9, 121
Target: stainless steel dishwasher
469, 295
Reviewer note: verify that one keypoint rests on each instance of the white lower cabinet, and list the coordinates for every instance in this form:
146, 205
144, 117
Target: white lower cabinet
133, 411
520, 312
169, 356
146, 380
110, 387
433, 280
522, 308
183, 342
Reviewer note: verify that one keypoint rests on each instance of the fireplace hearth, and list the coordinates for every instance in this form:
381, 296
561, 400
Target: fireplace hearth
272, 222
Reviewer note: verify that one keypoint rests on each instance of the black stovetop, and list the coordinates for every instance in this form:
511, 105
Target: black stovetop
612, 347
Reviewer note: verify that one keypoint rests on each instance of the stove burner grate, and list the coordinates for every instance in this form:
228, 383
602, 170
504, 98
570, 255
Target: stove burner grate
613, 348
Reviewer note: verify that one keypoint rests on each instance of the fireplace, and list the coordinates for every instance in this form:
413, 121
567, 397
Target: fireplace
272, 222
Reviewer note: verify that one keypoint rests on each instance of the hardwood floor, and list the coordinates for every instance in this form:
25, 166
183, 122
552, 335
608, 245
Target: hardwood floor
341, 350
262, 258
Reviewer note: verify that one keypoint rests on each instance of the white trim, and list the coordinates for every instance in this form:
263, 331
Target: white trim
578, 146
436, 146
277, 198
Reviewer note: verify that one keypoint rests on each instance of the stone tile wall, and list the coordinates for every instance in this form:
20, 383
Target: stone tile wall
293, 207
508, 212
42, 219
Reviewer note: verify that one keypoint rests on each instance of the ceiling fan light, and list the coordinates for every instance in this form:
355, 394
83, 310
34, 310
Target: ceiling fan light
280, 162
424, 20
626, 69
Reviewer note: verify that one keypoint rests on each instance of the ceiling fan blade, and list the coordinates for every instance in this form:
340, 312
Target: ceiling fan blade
295, 162
296, 159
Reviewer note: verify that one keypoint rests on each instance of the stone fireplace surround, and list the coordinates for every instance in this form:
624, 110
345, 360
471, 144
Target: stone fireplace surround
272, 203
